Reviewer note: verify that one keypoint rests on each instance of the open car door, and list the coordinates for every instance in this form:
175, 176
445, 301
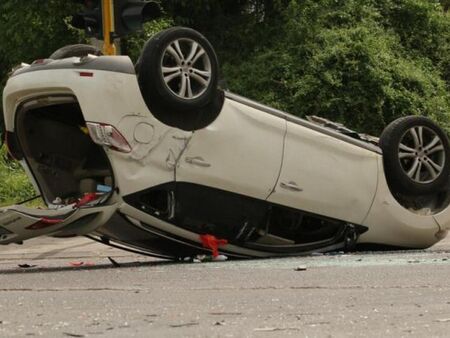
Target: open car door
18, 223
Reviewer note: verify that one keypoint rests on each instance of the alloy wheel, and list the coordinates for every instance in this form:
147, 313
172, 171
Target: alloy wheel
186, 68
421, 154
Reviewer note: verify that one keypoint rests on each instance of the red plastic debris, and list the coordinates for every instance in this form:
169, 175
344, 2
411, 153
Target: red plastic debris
89, 197
81, 263
213, 243
44, 223
86, 74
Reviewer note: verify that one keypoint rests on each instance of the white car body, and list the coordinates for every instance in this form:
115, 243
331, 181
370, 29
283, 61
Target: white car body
249, 150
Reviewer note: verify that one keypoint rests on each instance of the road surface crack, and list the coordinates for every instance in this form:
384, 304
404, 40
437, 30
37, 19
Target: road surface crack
66, 289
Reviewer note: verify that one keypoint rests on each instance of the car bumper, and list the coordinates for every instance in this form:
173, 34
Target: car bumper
392, 224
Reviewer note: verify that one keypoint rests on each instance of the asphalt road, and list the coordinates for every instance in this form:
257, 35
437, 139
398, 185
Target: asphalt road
401, 294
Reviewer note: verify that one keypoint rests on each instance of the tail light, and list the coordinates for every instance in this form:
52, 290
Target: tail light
44, 223
107, 135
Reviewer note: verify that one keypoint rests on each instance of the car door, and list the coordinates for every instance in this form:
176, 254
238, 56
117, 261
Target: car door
240, 152
18, 223
326, 175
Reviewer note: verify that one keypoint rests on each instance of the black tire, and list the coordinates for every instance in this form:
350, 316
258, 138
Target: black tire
410, 158
157, 36
171, 97
75, 50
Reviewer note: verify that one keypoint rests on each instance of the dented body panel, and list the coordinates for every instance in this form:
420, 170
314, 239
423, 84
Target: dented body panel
230, 152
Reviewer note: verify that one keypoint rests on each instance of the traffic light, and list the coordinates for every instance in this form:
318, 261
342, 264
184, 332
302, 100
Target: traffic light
90, 19
130, 15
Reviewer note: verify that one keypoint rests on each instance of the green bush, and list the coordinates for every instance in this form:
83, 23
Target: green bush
360, 64
134, 44
14, 184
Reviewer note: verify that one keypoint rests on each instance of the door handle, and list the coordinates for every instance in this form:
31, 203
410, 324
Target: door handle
198, 161
291, 186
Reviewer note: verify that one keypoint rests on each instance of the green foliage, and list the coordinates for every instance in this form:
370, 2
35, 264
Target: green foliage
34, 29
132, 46
360, 64
31, 30
15, 185
445, 4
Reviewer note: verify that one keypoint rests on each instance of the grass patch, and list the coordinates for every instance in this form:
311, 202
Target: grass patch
14, 183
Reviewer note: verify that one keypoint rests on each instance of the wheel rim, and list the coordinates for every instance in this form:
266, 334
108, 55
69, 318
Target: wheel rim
186, 69
421, 154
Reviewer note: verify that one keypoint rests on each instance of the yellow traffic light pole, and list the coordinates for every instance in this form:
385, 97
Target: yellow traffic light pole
108, 27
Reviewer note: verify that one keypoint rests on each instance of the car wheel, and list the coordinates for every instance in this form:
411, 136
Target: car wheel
178, 77
180, 67
416, 156
75, 50
152, 40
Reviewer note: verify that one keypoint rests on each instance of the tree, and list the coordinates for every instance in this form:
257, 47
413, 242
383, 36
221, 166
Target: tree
363, 64
31, 30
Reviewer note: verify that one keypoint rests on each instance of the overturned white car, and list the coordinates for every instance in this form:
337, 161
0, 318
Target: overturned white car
157, 159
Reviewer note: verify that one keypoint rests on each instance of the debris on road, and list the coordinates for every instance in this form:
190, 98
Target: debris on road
185, 324
273, 329
73, 334
220, 258
26, 266
81, 263
205, 258
443, 320
225, 313
301, 268
114, 263
212, 243
335, 253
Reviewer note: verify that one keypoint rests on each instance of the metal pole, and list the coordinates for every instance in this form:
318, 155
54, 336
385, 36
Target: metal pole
108, 27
